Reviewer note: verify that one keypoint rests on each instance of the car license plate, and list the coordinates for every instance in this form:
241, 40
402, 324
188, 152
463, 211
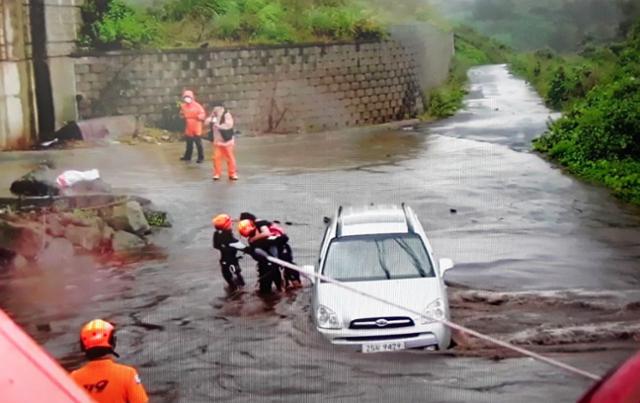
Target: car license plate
383, 347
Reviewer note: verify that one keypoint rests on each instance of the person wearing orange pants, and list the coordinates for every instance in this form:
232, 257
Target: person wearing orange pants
222, 123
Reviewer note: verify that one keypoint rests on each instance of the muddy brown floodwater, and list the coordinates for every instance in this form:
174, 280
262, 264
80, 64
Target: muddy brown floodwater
543, 260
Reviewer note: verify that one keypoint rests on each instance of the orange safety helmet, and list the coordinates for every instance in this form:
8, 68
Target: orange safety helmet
246, 228
222, 221
98, 333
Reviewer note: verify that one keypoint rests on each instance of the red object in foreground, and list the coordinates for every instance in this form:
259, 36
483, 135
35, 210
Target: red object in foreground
622, 385
28, 373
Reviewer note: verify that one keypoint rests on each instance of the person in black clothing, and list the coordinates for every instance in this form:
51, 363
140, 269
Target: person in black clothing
260, 249
223, 240
280, 247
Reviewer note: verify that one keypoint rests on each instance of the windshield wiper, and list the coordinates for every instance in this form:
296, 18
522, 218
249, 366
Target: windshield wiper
416, 262
383, 266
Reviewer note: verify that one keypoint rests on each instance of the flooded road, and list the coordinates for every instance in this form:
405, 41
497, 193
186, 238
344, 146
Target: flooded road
542, 260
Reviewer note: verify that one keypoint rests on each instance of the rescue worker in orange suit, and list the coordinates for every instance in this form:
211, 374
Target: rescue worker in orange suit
280, 246
194, 115
222, 124
268, 272
223, 240
102, 378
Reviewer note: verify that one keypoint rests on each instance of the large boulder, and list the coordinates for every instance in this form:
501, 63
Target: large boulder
129, 217
124, 241
23, 238
54, 225
86, 237
107, 235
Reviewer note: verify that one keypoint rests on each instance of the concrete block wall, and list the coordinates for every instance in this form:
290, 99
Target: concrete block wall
269, 89
63, 22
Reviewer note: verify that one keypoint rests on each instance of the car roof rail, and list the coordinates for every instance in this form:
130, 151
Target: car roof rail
408, 218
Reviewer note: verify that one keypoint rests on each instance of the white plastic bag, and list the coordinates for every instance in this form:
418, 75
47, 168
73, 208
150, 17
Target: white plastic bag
69, 178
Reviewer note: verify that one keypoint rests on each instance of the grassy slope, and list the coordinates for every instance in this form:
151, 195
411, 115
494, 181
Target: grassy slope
194, 23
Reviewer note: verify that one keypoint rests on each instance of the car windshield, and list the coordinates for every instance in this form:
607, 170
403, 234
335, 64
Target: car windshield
377, 257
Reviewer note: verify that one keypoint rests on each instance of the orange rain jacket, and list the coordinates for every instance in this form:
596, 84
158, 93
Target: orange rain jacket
193, 115
109, 382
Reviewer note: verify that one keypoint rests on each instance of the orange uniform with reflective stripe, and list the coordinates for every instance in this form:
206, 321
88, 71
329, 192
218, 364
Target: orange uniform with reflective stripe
109, 382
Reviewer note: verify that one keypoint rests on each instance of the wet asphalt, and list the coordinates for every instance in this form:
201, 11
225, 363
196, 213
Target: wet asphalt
510, 220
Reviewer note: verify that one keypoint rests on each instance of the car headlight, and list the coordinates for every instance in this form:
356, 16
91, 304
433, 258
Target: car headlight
435, 310
327, 319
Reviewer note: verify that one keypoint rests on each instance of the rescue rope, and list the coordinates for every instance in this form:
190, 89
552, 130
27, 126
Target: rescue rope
452, 325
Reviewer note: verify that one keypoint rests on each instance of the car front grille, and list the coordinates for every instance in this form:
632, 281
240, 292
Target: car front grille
381, 338
391, 322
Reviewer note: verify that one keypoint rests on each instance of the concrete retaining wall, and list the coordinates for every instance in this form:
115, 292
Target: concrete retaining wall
272, 89
63, 25
269, 89
432, 48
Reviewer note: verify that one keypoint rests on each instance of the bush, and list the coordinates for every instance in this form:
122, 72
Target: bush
114, 24
598, 138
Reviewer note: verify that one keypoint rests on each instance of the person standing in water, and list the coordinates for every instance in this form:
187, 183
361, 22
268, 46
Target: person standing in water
221, 122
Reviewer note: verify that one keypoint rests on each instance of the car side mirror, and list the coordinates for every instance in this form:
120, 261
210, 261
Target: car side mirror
445, 264
311, 271
326, 220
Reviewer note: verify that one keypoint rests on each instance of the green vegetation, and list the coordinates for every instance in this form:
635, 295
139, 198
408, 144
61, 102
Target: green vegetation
561, 80
472, 49
114, 24
111, 24
598, 138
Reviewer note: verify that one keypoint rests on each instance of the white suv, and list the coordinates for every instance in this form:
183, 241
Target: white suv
380, 250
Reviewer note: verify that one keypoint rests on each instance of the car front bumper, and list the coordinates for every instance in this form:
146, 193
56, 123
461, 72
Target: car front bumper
424, 336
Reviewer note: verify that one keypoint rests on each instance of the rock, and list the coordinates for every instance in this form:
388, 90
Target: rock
81, 220
165, 138
39, 182
107, 235
129, 217
54, 225
23, 238
147, 139
125, 241
88, 238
